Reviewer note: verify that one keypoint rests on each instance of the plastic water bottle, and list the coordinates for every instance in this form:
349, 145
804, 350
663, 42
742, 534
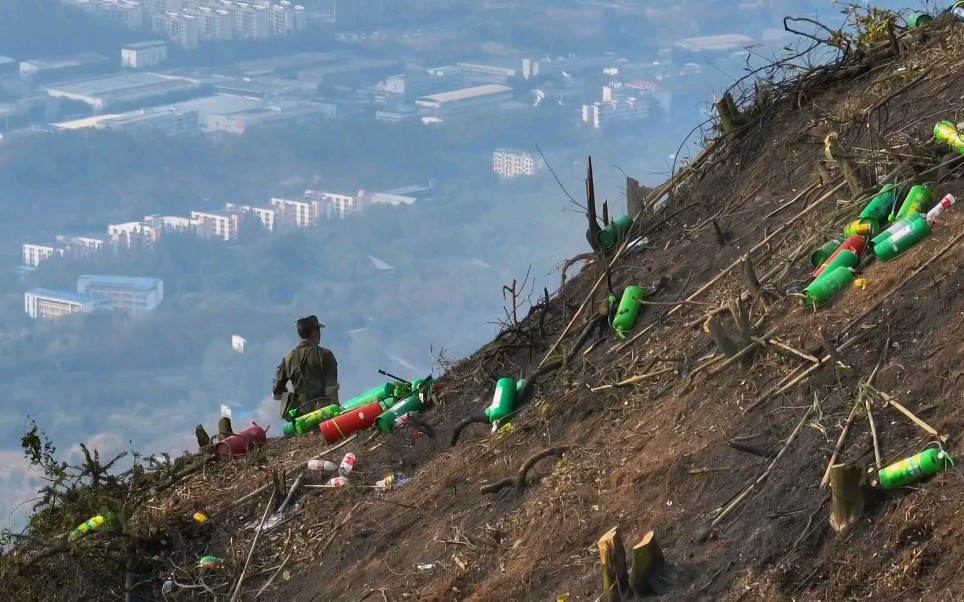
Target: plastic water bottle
347, 464
338, 482
322, 466
958, 12
939, 208
92, 524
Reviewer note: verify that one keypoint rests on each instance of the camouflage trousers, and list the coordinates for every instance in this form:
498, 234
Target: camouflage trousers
293, 405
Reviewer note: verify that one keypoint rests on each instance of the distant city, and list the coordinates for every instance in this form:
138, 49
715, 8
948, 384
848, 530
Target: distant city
151, 85
151, 88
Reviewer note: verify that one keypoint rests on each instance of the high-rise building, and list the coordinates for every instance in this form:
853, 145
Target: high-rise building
251, 21
287, 18
184, 30
124, 13
296, 213
218, 224
217, 25
159, 7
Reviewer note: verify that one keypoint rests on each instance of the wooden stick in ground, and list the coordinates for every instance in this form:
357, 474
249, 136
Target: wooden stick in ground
273, 577
754, 344
612, 558
790, 350
756, 483
641, 377
913, 418
254, 543
830, 348
647, 559
847, 497
778, 389
334, 531
873, 431
291, 494
853, 413
840, 442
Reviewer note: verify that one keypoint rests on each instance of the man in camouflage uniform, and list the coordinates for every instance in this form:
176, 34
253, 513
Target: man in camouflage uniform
312, 371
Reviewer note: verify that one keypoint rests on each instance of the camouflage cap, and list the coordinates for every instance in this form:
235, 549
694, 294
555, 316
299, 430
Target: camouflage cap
308, 322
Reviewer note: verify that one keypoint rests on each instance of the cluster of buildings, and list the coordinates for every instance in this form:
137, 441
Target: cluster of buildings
225, 224
508, 163
626, 101
138, 295
132, 295
190, 22
147, 95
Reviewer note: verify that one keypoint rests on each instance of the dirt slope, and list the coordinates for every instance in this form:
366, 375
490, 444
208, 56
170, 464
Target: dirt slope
651, 455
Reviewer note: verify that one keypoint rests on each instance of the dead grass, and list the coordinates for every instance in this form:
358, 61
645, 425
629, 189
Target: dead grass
655, 454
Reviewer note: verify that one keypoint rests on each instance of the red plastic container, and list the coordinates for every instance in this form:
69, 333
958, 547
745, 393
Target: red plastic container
339, 427
854, 243
243, 441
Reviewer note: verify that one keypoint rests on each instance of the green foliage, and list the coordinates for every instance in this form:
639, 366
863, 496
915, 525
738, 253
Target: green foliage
74, 493
39, 450
867, 26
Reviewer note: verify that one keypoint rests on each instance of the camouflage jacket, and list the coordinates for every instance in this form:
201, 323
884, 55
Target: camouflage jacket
310, 368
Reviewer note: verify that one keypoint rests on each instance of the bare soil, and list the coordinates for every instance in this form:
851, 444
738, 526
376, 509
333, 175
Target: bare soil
654, 455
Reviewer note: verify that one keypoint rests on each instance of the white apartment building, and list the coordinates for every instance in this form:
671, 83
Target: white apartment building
33, 254
48, 304
144, 55
217, 25
251, 21
223, 225
184, 30
267, 217
131, 294
130, 234
287, 18
335, 205
81, 246
512, 163
171, 223
159, 7
124, 13
296, 213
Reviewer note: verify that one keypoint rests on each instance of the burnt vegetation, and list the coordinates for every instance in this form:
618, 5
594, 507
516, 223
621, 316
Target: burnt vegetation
729, 434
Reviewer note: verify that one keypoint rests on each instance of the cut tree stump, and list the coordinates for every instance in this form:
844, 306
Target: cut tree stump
845, 162
647, 561
732, 120
612, 557
847, 501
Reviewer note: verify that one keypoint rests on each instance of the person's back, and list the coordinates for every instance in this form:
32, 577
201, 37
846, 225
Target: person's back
311, 369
